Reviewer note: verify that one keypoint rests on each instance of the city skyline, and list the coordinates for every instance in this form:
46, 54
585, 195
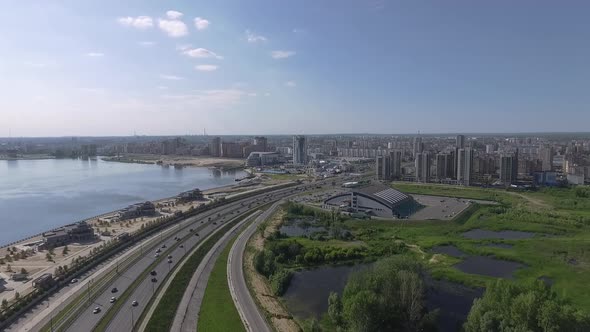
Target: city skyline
106, 69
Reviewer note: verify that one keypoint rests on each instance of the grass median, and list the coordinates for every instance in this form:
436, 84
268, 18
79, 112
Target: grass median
163, 316
218, 311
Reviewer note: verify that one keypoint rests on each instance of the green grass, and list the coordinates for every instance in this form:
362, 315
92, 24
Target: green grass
563, 237
218, 312
163, 316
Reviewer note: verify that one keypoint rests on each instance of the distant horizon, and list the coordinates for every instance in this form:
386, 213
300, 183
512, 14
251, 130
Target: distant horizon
316, 134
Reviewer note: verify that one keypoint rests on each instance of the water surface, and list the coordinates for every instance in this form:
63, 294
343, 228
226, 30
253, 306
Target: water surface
489, 266
37, 195
479, 234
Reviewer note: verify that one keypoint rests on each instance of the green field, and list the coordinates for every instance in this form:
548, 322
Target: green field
560, 249
218, 312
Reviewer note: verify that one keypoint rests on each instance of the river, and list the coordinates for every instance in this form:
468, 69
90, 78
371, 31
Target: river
38, 195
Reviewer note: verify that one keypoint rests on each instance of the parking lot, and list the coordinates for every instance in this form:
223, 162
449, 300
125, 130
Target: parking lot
437, 207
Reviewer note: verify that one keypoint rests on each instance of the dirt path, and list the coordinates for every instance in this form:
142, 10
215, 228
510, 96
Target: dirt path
280, 317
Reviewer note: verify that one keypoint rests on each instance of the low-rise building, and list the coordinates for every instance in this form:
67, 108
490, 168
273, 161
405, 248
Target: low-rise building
137, 210
189, 196
263, 159
78, 232
44, 281
376, 199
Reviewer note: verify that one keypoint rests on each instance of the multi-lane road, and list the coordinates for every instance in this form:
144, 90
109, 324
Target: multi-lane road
126, 317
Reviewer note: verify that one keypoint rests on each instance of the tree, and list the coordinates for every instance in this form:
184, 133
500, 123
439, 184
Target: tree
49, 257
65, 250
335, 308
387, 297
508, 306
9, 268
17, 296
4, 304
24, 271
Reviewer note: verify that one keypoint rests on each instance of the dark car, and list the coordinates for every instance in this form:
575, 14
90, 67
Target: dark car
154, 273
154, 279
114, 290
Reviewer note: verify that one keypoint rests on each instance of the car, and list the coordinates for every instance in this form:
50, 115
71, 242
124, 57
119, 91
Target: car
191, 230
196, 234
177, 239
182, 246
154, 273
214, 223
74, 281
96, 310
114, 290
158, 251
134, 303
154, 279
169, 261
163, 246
169, 256
113, 299
157, 255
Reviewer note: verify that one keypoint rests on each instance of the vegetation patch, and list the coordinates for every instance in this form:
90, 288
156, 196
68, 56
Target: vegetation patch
218, 311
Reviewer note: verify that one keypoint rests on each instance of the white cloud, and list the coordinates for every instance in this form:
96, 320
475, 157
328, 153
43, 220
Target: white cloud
139, 22
147, 43
206, 67
201, 23
171, 77
173, 28
267, 94
183, 47
251, 37
95, 54
201, 53
252, 94
291, 84
281, 54
162, 87
173, 14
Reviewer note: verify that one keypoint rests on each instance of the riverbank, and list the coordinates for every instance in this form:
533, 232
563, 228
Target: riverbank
179, 161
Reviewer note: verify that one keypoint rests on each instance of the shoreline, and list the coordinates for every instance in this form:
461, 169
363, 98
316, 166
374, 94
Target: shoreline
179, 161
21, 241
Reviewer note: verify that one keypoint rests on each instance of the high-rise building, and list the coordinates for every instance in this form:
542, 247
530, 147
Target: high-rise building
299, 150
508, 169
444, 166
261, 144
418, 146
464, 166
395, 158
231, 150
215, 147
546, 156
422, 165
460, 142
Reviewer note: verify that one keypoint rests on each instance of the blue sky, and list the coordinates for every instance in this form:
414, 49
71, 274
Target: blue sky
269, 67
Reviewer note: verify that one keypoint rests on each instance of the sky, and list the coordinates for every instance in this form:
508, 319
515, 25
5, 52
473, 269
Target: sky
167, 67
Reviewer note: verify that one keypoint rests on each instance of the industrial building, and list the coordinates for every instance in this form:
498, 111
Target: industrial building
374, 199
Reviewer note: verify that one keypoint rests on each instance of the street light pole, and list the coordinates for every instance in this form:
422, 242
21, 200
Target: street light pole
132, 320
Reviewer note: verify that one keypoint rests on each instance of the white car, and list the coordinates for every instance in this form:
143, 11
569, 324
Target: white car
74, 281
113, 299
96, 310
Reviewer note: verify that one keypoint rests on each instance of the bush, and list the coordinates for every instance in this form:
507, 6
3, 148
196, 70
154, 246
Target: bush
279, 282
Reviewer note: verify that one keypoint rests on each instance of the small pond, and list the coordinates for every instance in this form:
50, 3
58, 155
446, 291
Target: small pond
300, 227
489, 266
308, 293
479, 234
448, 250
497, 245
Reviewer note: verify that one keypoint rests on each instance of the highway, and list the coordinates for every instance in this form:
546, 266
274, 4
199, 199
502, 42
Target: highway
249, 313
187, 314
127, 316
